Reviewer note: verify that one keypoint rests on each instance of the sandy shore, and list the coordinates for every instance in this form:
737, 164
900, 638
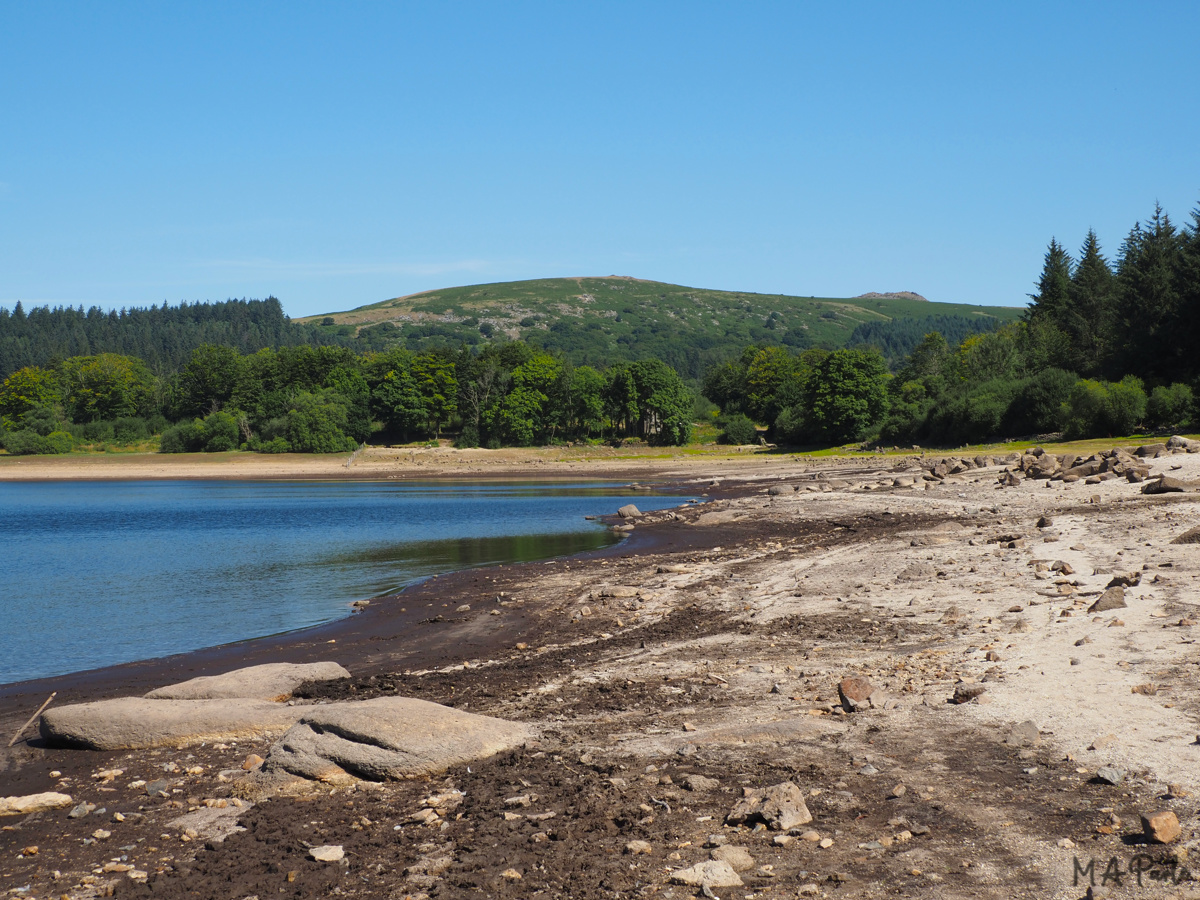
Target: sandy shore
424, 463
713, 645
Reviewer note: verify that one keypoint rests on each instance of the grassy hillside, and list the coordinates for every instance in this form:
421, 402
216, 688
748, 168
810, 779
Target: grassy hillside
598, 320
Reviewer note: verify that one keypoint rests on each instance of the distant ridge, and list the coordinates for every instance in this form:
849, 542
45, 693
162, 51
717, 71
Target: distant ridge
892, 295
600, 320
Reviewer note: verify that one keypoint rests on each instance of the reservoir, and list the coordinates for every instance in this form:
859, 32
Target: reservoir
99, 573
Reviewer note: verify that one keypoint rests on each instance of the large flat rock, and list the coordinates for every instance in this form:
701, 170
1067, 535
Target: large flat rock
135, 723
388, 738
272, 681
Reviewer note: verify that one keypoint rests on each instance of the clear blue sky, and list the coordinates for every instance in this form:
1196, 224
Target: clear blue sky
337, 154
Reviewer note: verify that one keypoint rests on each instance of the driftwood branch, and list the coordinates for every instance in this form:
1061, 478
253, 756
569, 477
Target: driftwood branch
41, 709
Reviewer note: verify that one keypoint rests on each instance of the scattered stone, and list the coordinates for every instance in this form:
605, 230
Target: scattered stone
993, 656
739, 858
271, 681
253, 761
629, 511
1113, 598
466, 607
965, 693
101, 834
897, 792
1045, 522
854, 692
1161, 827
700, 784
1125, 579
1110, 775
328, 853
1165, 485
32, 803
1025, 734
639, 848
1191, 536
711, 874
780, 807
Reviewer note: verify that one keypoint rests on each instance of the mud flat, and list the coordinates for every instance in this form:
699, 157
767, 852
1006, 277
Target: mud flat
922, 656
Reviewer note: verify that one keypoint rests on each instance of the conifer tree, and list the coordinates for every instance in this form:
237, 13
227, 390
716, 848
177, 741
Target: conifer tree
1148, 303
1093, 308
1053, 298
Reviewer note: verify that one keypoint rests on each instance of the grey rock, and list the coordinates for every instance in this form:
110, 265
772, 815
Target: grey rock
388, 738
629, 511
780, 807
1166, 485
700, 784
1025, 734
135, 723
1113, 598
32, 803
157, 787
711, 874
1110, 775
272, 681
739, 858
1191, 536
965, 693
328, 853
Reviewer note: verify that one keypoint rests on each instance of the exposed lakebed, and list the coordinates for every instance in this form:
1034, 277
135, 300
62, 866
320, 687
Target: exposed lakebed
99, 573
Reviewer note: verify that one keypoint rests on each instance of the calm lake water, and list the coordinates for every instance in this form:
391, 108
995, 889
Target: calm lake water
98, 573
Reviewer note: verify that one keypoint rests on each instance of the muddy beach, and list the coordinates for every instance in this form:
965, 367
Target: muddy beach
699, 660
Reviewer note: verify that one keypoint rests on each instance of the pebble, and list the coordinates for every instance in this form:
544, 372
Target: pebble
328, 853
1110, 775
1161, 827
638, 848
739, 858
811, 836
826, 843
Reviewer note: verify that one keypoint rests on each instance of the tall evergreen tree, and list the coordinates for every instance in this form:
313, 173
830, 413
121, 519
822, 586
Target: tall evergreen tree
1053, 298
1148, 303
1093, 308
1188, 283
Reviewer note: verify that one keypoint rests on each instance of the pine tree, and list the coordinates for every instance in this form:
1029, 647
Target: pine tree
1053, 298
1093, 308
1148, 302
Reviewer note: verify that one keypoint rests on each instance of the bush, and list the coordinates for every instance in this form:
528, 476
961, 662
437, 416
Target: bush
1038, 406
186, 437
27, 442
738, 429
276, 445
1169, 406
130, 429
790, 426
220, 432
1102, 408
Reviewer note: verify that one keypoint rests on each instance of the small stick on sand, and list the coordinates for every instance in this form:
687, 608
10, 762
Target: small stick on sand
41, 708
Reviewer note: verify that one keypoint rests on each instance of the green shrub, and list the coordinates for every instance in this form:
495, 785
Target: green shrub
186, 437
738, 429
28, 442
130, 429
276, 445
1038, 406
1102, 408
1169, 406
220, 432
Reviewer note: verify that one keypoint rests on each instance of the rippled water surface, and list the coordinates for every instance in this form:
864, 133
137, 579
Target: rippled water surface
98, 573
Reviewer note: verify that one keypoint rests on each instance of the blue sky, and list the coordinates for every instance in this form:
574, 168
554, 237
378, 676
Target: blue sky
339, 154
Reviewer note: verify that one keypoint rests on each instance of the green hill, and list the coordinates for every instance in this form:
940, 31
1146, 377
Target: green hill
600, 320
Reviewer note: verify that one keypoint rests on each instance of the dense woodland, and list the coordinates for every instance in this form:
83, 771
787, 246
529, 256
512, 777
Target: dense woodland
1104, 349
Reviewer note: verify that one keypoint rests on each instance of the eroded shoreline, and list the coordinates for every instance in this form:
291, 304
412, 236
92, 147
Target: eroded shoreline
713, 646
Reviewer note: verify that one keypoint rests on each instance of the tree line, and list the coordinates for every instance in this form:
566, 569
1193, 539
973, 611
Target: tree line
1102, 351
327, 399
